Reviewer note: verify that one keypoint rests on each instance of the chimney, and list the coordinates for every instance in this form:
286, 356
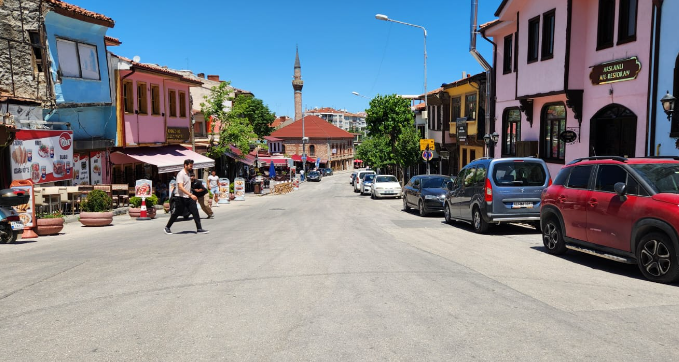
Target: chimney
464, 75
201, 75
213, 78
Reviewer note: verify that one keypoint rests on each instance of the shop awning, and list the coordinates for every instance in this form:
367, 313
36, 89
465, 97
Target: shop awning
298, 158
166, 158
236, 154
276, 161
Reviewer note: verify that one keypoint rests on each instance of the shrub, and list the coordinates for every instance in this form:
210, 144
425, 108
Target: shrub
97, 201
231, 187
46, 215
150, 201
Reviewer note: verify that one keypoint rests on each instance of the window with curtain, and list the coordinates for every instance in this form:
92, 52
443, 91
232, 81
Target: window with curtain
553, 122
77, 60
128, 97
470, 106
511, 131
172, 102
142, 99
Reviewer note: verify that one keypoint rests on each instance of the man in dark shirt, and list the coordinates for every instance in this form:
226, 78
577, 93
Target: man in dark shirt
198, 189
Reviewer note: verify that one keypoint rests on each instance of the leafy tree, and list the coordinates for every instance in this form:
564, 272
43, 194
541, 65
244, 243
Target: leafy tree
256, 112
235, 130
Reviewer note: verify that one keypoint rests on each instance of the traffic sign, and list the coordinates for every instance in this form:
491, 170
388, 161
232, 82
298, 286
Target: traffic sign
427, 155
427, 142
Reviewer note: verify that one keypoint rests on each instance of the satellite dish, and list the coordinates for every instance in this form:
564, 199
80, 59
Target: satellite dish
136, 59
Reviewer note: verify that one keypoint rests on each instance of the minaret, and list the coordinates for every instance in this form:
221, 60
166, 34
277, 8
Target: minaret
297, 84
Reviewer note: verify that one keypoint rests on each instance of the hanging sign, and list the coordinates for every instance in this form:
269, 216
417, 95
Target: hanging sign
26, 211
97, 167
143, 188
239, 188
224, 185
461, 124
178, 134
568, 136
81, 169
615, 71
42, 156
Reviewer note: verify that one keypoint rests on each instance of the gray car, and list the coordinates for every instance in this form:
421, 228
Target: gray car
492, 191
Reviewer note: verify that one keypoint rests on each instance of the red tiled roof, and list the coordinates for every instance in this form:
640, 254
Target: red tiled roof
272, 139
79, 13
314, 127
419, 106
158, 69
489, 24
324, 110
278, 121
111, 41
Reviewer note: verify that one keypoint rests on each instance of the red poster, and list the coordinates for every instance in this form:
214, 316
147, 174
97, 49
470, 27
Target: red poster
42, 155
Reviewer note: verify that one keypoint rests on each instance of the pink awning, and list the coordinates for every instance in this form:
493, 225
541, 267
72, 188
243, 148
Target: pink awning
276, 161
166, 158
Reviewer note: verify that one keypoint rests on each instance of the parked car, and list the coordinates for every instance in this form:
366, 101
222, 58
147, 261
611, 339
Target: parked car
367, 183
314, 176
359, 179
385, 186
425, 192
327, 171
492, 191
617, 208
353, 177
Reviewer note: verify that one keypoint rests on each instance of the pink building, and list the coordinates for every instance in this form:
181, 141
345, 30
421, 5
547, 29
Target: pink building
572, 78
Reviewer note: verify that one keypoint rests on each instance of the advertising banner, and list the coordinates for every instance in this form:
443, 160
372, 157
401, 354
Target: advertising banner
239, 188
81, 169
224, 185
97, 165
143, 188
42, 155
26, 211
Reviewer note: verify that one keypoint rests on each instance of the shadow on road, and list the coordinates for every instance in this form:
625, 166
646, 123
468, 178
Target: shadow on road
500, 230
20, 241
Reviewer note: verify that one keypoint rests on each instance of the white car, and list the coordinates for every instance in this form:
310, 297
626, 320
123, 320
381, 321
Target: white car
358, 184
385, 186
366, 183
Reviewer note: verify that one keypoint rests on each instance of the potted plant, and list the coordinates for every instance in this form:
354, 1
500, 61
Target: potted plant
232, 196
151, 202
166, 206
96, 209
49, 223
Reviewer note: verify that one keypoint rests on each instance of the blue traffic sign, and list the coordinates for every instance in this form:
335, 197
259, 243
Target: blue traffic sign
427, 155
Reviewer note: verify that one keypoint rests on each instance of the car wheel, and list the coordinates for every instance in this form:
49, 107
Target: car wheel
10, 237
480, 225
405, 205
552, 237
657, 258
420, 207
447, 214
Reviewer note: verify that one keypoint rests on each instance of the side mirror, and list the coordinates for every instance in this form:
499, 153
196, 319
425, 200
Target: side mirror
449, 186
620, 189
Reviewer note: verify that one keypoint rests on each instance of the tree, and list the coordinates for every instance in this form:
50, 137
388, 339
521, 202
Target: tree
256, 112
391, 124
235, 130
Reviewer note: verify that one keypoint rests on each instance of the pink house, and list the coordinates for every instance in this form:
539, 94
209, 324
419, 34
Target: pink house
572, 78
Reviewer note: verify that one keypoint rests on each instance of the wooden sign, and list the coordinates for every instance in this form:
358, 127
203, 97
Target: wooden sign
178, 134
615, 71
568, 136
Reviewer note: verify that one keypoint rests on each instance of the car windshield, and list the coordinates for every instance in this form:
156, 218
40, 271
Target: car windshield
313, 173
386, 179
435, 182
369, 178
519, 174
663, 177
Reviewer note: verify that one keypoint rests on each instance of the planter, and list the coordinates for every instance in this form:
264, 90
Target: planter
135, 212
49, 226
96, 218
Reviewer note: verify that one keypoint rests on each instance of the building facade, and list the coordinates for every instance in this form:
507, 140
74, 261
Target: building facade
352, 122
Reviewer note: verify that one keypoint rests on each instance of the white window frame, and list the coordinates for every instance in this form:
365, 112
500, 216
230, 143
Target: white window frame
70, 51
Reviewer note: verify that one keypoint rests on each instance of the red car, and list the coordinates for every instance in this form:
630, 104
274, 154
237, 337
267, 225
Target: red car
623, 209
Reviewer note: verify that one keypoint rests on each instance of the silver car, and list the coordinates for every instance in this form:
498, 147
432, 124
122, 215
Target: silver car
385, 186
367, 183
358, 183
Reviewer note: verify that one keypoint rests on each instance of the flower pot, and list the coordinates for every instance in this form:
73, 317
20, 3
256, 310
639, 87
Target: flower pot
96, 218
49, 226
135, 212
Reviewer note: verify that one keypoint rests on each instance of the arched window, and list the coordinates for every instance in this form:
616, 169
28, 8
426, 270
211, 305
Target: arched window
511, 130
312, 150
552, 123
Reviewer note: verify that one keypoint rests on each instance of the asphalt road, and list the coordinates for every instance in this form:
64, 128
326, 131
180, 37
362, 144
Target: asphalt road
323, 274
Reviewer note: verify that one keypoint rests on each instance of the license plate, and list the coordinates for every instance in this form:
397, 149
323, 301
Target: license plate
522, 205
17, 226
389, 192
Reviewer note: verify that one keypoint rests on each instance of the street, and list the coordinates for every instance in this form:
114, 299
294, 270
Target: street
323, 274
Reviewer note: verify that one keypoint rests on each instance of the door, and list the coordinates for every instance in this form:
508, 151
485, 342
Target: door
610, 218
410, 189
454, 195
573, 202
613, 132
466, 193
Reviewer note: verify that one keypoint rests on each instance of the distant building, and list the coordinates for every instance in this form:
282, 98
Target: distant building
340, 118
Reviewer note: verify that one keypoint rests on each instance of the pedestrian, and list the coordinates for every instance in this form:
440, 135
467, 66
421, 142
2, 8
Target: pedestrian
213, 184
185, 199
301, 172
198, 189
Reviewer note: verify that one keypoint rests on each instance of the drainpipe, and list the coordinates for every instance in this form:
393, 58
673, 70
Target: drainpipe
484, 64
491, 86
650, 146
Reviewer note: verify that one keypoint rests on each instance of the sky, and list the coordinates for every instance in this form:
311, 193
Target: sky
342, 47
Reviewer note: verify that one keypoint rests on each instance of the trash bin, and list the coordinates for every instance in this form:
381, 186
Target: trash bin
257, 188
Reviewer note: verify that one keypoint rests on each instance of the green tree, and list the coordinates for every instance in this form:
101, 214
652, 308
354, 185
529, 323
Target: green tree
256, 112
390, 120
235, 130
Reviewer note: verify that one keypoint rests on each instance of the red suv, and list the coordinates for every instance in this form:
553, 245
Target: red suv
621, 209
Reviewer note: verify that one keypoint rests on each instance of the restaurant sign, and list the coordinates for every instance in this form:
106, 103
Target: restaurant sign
178, 134
461, 129
615, 71
42, 156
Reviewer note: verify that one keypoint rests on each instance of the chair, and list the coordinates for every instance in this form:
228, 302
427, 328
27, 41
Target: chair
38, 199
50, 192
74, 193
64, 199
120, 194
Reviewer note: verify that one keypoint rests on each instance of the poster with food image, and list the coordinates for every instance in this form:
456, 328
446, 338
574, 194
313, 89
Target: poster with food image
96, 165
41, 155
81, 169
25, 211
224, 188
143, 188
239, 188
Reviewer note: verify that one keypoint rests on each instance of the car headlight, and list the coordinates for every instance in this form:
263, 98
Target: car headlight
379, 188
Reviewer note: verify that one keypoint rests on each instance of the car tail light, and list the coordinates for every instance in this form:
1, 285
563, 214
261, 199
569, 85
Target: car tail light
550, 182
488, 191
13, 218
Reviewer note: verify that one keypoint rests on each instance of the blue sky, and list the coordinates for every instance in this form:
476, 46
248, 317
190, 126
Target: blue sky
342, 47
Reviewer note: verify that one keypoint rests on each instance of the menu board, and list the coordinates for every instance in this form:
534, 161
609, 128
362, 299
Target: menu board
97, 166
143, 188
81, 169
42, 155
224, 185
26, 211
239, 188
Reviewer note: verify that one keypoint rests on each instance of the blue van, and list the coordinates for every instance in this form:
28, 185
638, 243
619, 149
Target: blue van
492, 191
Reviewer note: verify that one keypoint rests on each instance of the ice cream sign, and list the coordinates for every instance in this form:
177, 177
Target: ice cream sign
42, 156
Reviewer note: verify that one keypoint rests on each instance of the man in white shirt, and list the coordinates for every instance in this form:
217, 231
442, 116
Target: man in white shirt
186, 200
213, 184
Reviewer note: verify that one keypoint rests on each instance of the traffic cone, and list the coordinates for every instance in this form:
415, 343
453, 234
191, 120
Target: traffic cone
142, 213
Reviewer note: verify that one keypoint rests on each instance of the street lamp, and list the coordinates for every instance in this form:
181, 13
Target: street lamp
359, 95
425, 113
491, 140
668, 105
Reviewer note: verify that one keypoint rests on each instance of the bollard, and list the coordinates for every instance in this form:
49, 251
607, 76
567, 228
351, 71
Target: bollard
142, 213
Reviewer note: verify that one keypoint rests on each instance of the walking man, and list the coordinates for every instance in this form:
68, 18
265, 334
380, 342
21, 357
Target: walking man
198, 189
185, 200
213, 184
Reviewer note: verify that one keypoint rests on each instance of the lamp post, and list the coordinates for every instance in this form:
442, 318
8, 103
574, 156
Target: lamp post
668, 102
359, 95
425, 113
490, 140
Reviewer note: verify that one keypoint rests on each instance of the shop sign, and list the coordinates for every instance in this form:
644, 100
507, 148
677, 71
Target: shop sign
26, 211
143, 188
615, 71
81, 169
568, 136
461, 129
224, 185
42, 156
239, 188
97, 166
178, 134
